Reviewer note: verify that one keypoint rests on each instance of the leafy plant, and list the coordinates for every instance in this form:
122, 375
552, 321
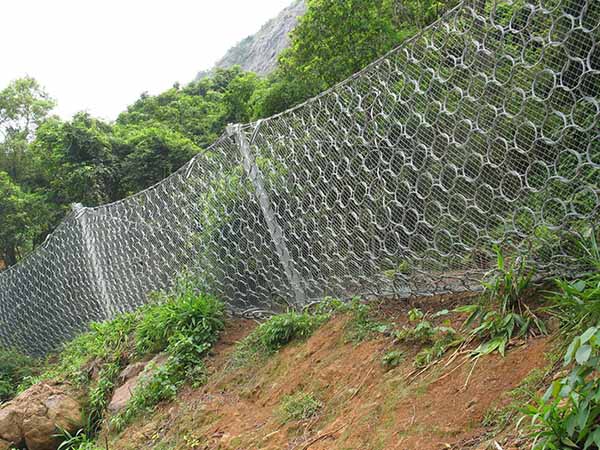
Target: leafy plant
502, 314
185, 324
299, 406
567, 416
392, 359
99, 395
184, 313
361, 325
577, 304
74, 441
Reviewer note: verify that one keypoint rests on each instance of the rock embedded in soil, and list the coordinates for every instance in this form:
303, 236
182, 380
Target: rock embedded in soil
34, 417
130, 377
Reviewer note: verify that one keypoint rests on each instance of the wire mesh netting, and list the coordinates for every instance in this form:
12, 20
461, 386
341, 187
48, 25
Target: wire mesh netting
481, 130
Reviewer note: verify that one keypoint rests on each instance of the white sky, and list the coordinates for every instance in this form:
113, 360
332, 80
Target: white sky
100, 55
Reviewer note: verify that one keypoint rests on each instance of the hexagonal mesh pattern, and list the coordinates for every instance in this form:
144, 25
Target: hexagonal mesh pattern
481, 130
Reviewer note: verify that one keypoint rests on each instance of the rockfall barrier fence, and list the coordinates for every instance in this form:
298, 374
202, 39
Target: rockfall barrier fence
483, 129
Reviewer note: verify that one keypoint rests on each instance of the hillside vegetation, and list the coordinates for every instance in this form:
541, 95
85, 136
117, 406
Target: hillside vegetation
514, 366
511, 365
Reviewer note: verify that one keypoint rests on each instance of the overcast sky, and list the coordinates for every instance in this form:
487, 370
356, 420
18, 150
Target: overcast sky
100, 55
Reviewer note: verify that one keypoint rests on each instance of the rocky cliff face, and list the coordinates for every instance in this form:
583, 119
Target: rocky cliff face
258, 53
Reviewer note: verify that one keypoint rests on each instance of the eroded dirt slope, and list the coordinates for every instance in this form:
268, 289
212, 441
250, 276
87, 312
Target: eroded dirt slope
365, 406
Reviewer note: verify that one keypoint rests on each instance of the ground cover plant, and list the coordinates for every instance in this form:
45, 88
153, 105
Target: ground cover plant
183, 323
502, 313
299, 406
434, 340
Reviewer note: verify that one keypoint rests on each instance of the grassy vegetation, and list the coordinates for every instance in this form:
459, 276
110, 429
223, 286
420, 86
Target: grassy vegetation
15, 368
184, 324
361, 325
434, 340
392, 359
299, 406
276, 332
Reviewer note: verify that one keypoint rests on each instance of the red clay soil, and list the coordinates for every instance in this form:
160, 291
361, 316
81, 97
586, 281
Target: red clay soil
364, 406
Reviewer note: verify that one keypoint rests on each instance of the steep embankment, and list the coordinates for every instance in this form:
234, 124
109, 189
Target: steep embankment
333, 391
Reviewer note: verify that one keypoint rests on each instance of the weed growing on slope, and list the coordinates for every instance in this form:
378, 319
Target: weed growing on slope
75, 441
435, 339
299, 406
185, 324
276, 332
392, 359
99, 395
502, 314
361, 325
577, 303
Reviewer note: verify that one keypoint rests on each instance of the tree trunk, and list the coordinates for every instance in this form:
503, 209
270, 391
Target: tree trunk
10, 255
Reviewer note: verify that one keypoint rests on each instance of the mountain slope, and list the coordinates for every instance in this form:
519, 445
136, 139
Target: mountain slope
258, 53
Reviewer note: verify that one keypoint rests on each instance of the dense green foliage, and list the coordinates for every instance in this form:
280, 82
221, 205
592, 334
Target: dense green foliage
183, 324
502, 313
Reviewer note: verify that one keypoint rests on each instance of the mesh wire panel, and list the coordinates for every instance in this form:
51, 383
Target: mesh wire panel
481, 130
50, 295
202, 222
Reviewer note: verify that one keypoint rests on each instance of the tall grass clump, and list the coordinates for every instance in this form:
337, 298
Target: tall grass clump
502, 313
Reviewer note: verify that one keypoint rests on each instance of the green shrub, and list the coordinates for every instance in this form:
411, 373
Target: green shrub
362, 325
99, 395
299, 406
15, 367
276, 332
567, 416
185, 312
577, 304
